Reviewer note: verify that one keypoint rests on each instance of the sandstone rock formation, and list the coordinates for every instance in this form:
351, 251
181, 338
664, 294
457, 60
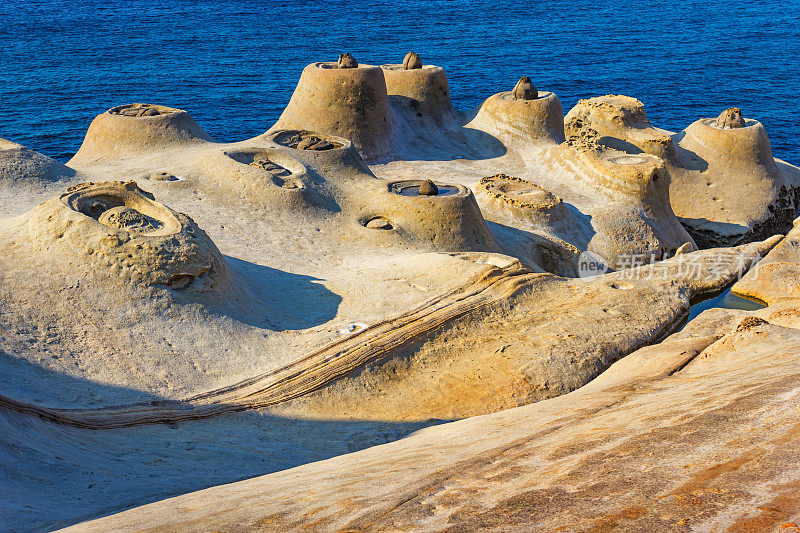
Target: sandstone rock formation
412, 61
418, 93
121, 232
19, 165
620, 122
348, 102
428, 188
378, 262
711, 164
639, 204
696, 433
524, 89
514, 120
731, 118
347, 61
727, 187
138, 128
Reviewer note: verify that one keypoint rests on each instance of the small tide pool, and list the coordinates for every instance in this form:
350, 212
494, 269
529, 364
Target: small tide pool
724, 300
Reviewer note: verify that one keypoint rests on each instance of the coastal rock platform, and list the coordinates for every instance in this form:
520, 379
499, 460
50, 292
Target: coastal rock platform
385, 313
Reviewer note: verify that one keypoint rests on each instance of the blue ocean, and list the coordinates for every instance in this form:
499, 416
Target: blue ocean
234, 65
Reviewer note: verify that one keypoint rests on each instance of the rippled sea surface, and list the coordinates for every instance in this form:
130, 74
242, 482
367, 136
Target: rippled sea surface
234, 65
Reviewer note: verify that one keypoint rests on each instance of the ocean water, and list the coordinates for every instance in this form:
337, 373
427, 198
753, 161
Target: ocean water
234, 65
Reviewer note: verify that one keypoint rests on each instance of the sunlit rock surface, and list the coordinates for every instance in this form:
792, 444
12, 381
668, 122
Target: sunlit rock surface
180, 312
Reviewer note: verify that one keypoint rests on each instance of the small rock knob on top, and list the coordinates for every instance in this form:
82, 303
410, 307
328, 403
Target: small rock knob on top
731, 118
524, 89
347, 61
412, 61
428, 188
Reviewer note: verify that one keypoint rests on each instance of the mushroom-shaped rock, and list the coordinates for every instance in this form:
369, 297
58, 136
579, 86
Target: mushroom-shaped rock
517, 121
730, 118
428, 188
447, 221
347, 61
345, 102
524, 89
727, 188
137, 128
637, 223
412, 61
619, 122
424, 89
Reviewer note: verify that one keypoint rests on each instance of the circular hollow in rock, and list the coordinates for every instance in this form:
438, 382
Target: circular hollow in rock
281, 169
307, 140
399, 67
378, 223
509, 95
142, 110
712, 122
120, 230
411, 188
518, 192
122, 206
129, 219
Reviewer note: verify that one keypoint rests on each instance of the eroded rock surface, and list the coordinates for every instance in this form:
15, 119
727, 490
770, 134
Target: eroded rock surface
123, 232
731, 118
412, 61
346, 60
524, 89
725, 185
378, 262
694, 433
20, 165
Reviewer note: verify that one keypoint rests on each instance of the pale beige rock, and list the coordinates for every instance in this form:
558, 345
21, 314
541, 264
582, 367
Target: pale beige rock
621, 123
162, 176
19, 164
379, 223
517, 352
637, 223
422, 92
697, 433
513, 120
514, 201
120, 231
725, 186
343, 309
776, 277
685, 248
137, 128
347, 102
